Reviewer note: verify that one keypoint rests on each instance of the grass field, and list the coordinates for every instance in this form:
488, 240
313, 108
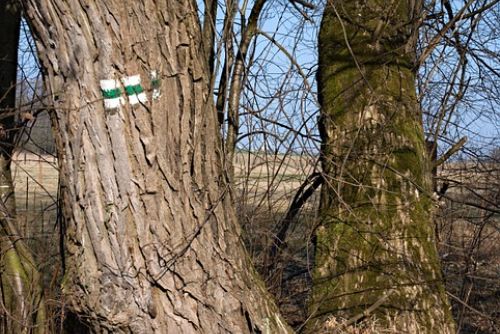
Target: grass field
35, 182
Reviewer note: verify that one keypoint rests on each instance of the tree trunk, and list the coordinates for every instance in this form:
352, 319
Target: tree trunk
375, 250
152, 241
22, 309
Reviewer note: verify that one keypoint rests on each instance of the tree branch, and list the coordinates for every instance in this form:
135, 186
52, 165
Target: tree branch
454, 149
304, 192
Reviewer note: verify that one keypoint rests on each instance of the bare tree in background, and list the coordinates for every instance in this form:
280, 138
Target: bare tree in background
458, 90
22, 306
276, 139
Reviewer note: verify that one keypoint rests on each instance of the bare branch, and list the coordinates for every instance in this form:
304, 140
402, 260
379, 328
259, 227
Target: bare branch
454, 149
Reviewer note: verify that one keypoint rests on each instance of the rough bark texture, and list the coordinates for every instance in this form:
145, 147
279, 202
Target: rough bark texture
152, 242
22, 308
375, 249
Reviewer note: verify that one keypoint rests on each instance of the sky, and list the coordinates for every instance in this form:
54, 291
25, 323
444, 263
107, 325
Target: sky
280, 103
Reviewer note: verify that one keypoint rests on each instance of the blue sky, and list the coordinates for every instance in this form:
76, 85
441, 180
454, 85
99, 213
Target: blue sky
281, 94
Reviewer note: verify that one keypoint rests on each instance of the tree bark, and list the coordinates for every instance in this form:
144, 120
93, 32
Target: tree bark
22, 309
375, 248
152, 241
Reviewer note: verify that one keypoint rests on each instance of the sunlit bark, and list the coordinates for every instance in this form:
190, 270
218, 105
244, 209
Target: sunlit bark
375, 250
152, 241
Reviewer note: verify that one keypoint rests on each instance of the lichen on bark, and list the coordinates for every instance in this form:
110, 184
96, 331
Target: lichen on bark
376, 240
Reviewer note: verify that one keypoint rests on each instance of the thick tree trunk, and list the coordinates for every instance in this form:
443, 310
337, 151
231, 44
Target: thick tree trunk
375, 249
152, 241
22, 309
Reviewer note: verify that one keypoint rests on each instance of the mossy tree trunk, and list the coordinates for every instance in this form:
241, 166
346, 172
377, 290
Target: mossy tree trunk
375, 248
22, 309
152, 241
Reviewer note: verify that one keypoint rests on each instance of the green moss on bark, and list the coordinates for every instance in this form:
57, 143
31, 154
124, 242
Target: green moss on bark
376, 241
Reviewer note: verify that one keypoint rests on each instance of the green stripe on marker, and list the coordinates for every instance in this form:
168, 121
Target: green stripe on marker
155, 83
131, 90
111, 93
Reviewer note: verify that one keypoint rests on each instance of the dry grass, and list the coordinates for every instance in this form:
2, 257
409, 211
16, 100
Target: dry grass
35, 182
270, 181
